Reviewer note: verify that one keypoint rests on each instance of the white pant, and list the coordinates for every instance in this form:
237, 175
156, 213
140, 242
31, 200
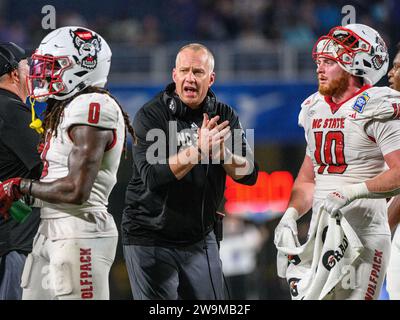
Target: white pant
393, 272
364, 282
68, 269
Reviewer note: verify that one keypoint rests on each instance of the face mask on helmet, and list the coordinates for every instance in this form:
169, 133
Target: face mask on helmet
357, 48
45, 75
68, 60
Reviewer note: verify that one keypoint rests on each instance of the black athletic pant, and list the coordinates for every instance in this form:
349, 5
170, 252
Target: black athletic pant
157, 273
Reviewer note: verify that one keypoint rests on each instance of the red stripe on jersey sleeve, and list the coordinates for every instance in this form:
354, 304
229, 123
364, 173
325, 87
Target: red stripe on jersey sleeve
114, 141
396, 111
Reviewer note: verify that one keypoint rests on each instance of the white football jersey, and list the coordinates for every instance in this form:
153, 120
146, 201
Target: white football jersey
93, 109
347, 144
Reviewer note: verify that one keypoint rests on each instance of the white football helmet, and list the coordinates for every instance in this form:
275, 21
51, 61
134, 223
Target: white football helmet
68, 60
358, 49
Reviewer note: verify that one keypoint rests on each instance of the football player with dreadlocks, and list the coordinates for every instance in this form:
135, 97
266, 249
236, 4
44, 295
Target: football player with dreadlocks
84, 136
352, 132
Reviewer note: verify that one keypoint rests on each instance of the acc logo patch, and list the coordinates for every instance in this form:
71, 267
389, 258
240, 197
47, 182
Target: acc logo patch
361, 102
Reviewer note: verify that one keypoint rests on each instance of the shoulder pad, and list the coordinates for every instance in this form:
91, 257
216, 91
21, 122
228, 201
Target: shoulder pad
94, 109
308, 103
311, 100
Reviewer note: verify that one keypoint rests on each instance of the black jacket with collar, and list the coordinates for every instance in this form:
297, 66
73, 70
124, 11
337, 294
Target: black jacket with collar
161, 210
18, 158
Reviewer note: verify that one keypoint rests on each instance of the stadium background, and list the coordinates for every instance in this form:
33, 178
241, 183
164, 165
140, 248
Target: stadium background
264, 70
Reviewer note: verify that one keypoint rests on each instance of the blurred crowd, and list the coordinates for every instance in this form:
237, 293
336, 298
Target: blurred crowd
153, 22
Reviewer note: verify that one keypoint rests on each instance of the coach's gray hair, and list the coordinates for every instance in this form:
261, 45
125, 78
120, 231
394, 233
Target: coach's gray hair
197, 47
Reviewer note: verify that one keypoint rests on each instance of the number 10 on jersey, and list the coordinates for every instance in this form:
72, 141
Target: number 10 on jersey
329, 152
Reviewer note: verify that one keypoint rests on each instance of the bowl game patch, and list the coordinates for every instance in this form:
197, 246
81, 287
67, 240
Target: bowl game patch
361, 102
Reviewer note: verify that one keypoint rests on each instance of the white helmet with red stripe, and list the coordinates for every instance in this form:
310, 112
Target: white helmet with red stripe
358, 49
68, 60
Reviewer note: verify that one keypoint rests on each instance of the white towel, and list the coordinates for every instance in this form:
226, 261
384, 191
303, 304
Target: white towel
315, 268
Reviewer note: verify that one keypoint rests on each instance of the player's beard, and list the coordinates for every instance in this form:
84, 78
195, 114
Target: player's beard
336, 87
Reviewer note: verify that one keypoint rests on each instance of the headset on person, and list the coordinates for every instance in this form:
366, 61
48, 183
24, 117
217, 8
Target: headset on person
179, 110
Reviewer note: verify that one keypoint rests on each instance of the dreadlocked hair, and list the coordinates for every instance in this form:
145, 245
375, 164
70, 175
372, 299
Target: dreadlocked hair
55, 109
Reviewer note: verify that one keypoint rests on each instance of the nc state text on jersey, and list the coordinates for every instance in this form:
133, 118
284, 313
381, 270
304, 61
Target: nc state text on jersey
331, 123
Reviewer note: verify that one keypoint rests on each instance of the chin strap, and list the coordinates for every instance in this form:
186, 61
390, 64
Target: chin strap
36, 123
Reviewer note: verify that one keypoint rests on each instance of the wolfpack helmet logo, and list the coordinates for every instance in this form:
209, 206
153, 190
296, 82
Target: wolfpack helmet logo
381, 49
377, 62
88, 45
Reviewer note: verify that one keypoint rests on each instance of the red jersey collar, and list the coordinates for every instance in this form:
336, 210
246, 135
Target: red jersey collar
335, 106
